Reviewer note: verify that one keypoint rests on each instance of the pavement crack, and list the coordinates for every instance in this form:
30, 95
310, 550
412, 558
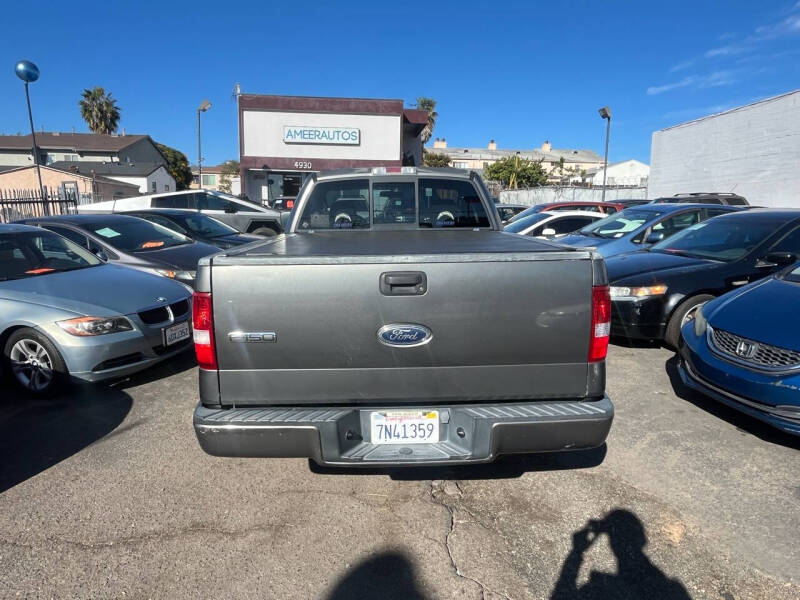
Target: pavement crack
435, 492
158, 536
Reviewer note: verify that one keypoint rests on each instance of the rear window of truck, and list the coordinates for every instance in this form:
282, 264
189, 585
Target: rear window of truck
426, 203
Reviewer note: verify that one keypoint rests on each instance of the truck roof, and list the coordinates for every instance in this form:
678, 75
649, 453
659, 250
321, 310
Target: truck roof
396, 171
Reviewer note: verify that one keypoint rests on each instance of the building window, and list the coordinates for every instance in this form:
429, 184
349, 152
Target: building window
209, 180
166, 187
460, 165
195, 179
153, 187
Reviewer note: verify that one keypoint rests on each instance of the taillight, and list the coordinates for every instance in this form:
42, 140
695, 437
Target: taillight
203, 325
601, 323
290, 204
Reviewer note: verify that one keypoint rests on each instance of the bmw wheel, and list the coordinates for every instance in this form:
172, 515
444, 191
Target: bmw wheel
34, 362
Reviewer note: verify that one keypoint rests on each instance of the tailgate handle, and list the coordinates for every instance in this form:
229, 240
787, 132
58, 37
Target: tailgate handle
403, 283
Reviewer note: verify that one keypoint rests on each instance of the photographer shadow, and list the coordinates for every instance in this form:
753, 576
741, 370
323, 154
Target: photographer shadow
637, 577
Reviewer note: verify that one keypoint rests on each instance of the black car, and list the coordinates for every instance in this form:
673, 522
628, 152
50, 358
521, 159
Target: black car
655, 292
196, 225
130, 241
726, 198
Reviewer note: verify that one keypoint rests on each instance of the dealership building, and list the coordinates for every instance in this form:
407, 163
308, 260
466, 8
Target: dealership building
283, 139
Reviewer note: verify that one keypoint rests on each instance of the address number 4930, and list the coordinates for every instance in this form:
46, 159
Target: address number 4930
302, 164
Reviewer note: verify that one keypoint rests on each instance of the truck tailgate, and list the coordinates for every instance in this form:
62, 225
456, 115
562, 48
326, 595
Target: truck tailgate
502, 328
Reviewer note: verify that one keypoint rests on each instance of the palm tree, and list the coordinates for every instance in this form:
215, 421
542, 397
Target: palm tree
99, 110
428, 105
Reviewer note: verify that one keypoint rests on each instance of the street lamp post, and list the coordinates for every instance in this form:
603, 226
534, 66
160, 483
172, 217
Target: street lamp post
204, 106
29, 72
605, 113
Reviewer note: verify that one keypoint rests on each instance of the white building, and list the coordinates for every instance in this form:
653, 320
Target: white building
149, 177
631, 173
752, 150
282, 139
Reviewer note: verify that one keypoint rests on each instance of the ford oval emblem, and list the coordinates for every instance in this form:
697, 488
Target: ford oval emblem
405, 335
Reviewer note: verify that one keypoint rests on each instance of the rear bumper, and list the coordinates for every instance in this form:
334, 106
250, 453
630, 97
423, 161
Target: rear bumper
473, 433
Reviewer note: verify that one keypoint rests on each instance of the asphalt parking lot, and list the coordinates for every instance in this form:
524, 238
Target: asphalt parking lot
106, 494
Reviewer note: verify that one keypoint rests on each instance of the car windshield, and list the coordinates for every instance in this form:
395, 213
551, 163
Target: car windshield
717, 239
522, 224
528, 212
37, 253
618, 224
794, 274
205, 226
135, 235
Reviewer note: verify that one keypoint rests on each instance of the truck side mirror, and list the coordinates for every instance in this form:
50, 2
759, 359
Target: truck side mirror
285, 218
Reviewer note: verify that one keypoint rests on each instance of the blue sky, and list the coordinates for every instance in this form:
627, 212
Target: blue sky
516, 72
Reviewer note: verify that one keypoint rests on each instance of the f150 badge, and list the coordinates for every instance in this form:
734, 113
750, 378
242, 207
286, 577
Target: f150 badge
405, 335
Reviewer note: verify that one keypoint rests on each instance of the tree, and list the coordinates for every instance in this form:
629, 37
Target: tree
99, 110
429, 106
178, 166
230, 169
515, 172
435, 159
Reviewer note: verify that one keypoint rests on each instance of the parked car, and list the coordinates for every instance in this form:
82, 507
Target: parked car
132, 242
388, 356
552, 225
65, 314
196, 225
655, 292
244, 216
725, 198
638, 227
743, 349
606, 208
509, 211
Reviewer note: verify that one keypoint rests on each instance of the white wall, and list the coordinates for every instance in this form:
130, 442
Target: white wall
753, 151
262, 133
141, 182
162, 178
541, 195
629, 172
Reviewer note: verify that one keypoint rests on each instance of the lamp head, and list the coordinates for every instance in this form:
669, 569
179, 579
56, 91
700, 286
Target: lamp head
204, 106
605, 113
27, 71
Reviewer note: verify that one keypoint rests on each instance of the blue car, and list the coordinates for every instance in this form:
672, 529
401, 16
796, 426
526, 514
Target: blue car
639, 227
743, 349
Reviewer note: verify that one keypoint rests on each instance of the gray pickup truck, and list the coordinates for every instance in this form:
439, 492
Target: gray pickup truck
394, 323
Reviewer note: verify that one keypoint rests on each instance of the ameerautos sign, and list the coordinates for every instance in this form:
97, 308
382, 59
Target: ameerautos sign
298, 134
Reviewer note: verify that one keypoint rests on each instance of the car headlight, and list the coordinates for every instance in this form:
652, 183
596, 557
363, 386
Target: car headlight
637, 292
86, 326
700, 322
175, 274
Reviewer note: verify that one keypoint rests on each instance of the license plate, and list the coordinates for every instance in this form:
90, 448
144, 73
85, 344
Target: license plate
404, 427
177, 333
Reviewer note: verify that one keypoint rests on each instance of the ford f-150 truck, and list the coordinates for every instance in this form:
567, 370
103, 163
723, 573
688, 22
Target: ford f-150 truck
395, 323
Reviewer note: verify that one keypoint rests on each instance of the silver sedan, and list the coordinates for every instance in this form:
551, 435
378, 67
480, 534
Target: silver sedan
66, 315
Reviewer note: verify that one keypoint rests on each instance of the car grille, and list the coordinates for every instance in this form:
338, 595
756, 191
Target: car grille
161, 314
754, 353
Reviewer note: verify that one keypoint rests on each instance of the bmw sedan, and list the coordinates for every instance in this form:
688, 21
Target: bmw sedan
638, 227
655, 292
743, 349
196, 225
132, 242
66, 315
